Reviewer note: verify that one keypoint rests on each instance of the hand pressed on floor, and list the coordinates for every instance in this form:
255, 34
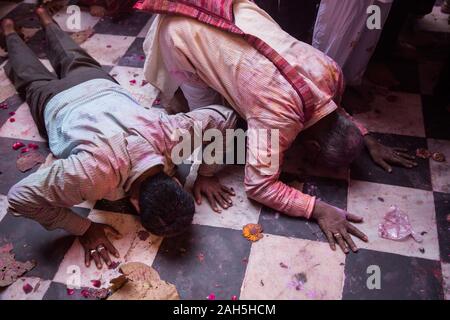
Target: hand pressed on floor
97, 245
215, 192
384, 156
336, 225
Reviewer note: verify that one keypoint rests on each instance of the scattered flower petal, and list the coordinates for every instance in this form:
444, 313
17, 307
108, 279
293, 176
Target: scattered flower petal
144, 82
96, 283
211, 296
12, 119
12, 113
70, 292
33, 146
133, 82
18, 145
27, 288
85, 293
423, 153
24, 150
234, 298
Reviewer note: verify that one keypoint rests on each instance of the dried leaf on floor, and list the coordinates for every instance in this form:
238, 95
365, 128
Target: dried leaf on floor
10, 268
141, 282
28, 160
252, 232
81, 36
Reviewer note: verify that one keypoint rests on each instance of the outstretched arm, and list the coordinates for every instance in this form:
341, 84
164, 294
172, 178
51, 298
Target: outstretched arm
263, 185
47, 195
383, 155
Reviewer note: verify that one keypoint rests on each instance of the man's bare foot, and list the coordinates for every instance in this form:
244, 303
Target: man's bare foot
8, 26
44, 17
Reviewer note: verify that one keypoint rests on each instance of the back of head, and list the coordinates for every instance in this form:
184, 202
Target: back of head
166, 208
341, 143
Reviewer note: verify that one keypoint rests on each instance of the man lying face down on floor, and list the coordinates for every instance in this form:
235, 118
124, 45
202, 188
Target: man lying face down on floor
234, 50
107, 145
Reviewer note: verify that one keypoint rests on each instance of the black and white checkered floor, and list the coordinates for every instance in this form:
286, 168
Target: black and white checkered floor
214, 257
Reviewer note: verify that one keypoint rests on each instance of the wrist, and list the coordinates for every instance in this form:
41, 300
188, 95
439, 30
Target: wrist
319, 207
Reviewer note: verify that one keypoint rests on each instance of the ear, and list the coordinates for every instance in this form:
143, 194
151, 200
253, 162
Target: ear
312, 146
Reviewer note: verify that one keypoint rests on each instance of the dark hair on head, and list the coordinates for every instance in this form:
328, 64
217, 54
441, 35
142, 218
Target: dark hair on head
341, 144
166, 208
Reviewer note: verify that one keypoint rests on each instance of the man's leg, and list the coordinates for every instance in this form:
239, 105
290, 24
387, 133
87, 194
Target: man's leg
66, 56
27, 73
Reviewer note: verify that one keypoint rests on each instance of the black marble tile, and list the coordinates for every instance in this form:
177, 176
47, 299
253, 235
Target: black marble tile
419, 177
10, 175
58, 291
121, 206
13, 104
401, 277
436, 117
329, 190
32, 242
130, 25
442, 205
135, 56
24, 16
204, 260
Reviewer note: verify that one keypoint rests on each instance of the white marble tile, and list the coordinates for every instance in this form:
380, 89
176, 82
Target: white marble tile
65, 19
23, 128
440, 171
143, 92
372, 201
7, 87
242, 212
130, 247
3, 206
48, 65
15, 291
107, 49
436, 21
446, 278
403, 116
276, 263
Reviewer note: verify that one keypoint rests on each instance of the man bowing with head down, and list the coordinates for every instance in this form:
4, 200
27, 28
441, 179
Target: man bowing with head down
233, 49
